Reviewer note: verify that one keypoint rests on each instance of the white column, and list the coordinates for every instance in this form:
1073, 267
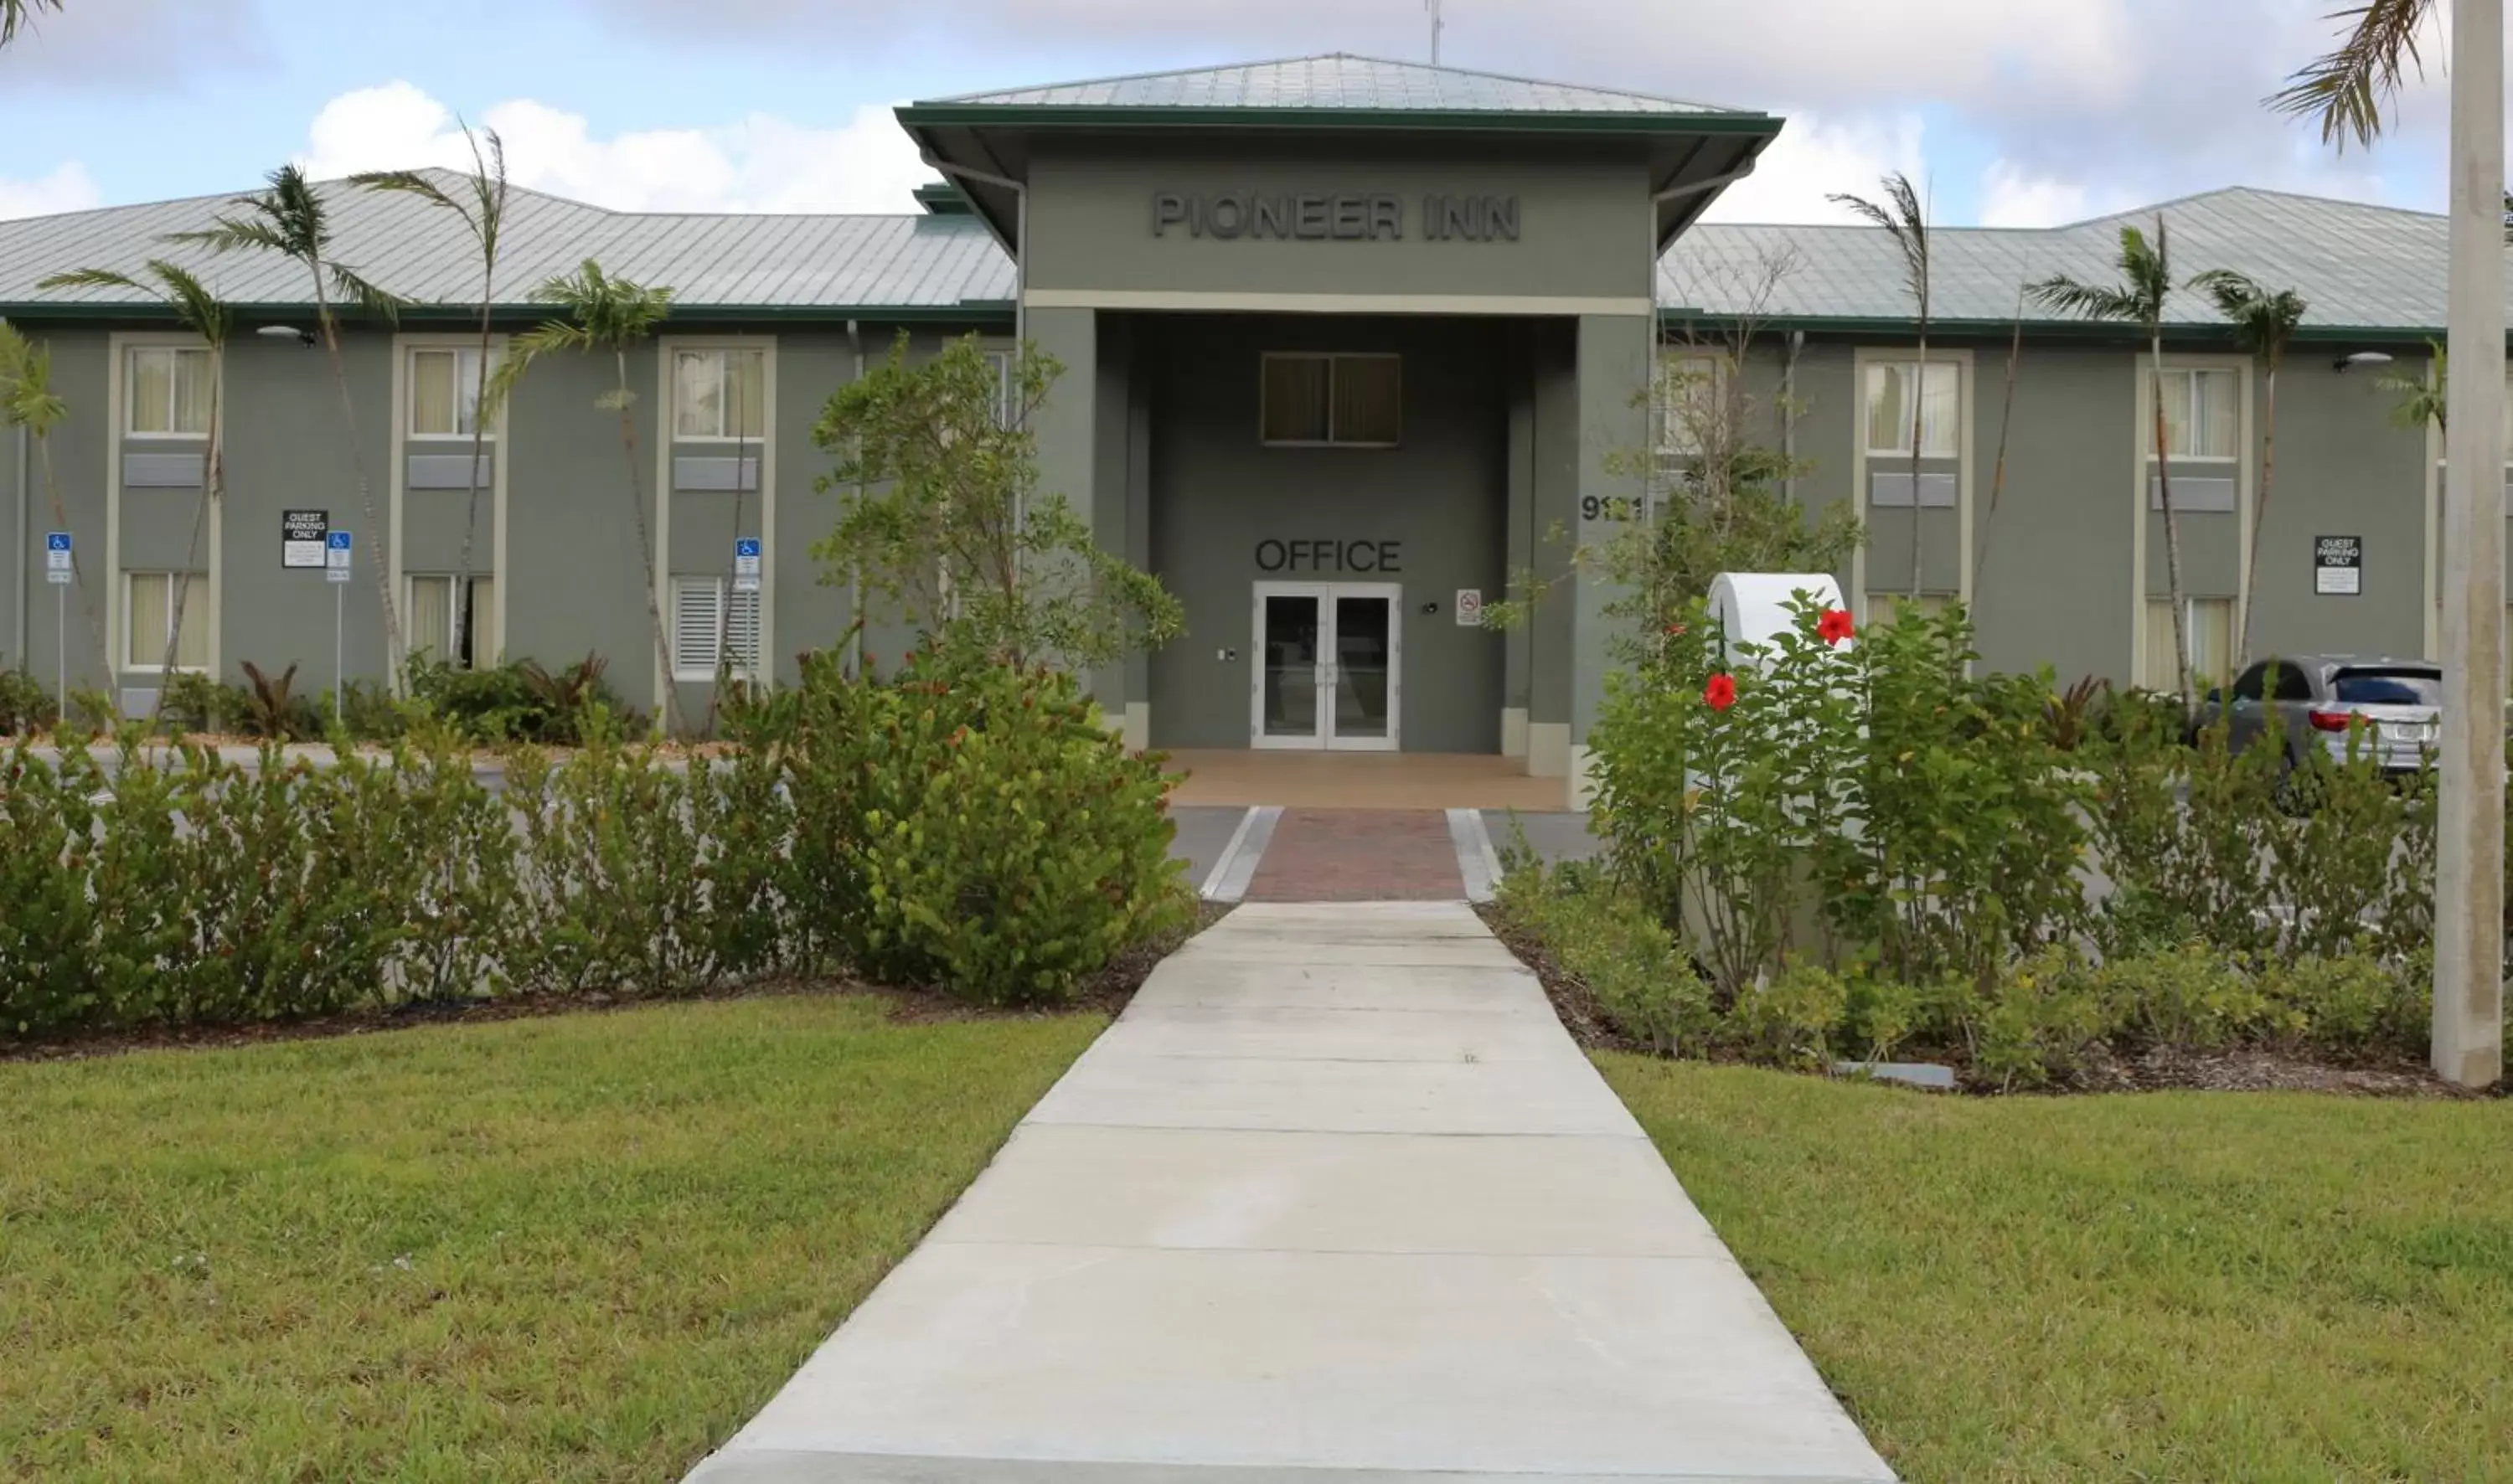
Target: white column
2469, 887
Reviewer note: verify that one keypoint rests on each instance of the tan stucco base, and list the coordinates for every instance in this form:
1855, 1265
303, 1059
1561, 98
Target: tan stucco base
1513, 731
1548, 748
1584, 781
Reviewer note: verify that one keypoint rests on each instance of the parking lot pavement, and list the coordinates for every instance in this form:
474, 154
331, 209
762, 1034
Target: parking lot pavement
1204, 833
1554, 837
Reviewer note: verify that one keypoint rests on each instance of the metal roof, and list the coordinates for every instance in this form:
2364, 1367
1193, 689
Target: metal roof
736, 263
2362, 268
1340, 82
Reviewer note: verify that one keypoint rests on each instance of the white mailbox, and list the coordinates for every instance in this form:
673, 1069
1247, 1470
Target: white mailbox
1753, 608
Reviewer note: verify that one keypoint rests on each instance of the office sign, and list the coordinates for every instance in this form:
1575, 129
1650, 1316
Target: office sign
335, 556
1327, 556
300, 537
57, 557
2339, 565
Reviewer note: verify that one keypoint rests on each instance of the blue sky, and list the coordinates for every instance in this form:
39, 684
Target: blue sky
2016, 111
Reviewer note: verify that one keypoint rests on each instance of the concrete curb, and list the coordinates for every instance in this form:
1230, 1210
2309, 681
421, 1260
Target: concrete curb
1477, 866
1228, 881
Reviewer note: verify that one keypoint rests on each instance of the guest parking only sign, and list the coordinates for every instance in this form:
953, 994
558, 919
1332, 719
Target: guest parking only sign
2338, 566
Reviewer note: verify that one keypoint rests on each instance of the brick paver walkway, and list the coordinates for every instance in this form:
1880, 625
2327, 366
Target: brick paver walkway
1359, 855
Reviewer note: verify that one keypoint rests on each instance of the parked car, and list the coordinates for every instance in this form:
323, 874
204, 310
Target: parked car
2319, 697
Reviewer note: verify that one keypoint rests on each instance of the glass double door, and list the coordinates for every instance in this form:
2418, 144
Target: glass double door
1326, 672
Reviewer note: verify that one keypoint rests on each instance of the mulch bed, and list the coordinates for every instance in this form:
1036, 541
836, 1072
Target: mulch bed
2159, 1069
1108, 994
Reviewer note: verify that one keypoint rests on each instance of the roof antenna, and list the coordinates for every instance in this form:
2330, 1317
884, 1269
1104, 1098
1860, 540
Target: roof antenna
1433, 6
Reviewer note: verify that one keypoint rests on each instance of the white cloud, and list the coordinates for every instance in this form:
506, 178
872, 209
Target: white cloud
1814, 157
2010, 197
754, 164
69, 188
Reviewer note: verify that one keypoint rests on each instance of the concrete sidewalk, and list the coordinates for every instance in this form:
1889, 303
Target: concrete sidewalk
1337, 1194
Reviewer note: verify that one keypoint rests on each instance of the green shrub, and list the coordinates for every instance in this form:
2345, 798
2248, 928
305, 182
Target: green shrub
2352, 1004
1795, 1019
521, 701
191, 702
268, 706
465, 906
2036, 1022
1642, 981
47, 916
25, 704
2193, 997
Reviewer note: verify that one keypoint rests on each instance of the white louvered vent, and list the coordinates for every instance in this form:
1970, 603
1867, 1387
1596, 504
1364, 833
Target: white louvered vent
697, 611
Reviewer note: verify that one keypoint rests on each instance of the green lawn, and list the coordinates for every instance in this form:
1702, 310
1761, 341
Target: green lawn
568, 1249
2206, 1287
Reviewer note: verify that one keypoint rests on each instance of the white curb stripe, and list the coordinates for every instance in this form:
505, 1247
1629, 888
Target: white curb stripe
1477, 866
1231, 873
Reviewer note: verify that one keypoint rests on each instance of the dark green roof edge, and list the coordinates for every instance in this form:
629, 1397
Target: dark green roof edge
967, 311
1421, 120
2077, 330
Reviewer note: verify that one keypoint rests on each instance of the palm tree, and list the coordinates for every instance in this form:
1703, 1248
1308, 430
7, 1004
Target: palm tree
291, 219
15, 15
2146, 281
2421, 397
2264, 321
604, 313
1901, 216
206, 315
28, 402
2349, 90
484, 213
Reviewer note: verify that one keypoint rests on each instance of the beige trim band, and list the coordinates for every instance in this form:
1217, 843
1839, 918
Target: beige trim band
1338, 303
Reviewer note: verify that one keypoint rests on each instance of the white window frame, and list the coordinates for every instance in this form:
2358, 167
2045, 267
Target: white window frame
130, 667
723, 355
410, 412
1874, 373
131, 354
1335, 359
2190, 411
742, 667
1002, 363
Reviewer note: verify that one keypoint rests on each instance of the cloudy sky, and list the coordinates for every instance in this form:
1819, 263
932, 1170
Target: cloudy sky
2015, 112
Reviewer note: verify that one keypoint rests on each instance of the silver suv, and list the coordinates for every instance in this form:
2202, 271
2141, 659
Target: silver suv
2319, 697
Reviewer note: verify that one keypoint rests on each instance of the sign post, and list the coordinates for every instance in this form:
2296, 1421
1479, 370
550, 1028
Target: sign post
746, 579
56, 571
335, 571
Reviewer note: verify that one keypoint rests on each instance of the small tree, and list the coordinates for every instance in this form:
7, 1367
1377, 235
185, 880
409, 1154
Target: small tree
1716, 494
28, 402
2146, 281
483, 215
2421, 397
1902, 217
2264, 321
204, 314
290, 219
951, 529
604, 313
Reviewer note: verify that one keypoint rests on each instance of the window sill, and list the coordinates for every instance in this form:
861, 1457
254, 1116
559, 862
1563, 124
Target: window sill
724, 440
200, 438
447, 438
1331, 443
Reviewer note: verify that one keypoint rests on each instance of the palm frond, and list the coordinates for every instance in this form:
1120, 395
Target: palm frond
26, 396
408, 182
193, 302
488, 188
1902, 216
2233, 294
92, 278
233, 234
21, 14
2350, 90
2062, 294
371, 300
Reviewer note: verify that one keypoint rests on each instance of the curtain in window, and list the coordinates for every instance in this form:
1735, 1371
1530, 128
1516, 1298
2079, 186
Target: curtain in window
2157, 668
2212, 639
1369, 400
430, 629
1888, 408
151, 393
1295, 399
698, 393
1885, 608
144, 643
2215, 414
748, 392
432, 374
485, 642
192, 392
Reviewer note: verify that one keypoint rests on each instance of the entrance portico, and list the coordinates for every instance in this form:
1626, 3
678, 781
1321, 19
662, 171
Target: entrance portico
1345, 344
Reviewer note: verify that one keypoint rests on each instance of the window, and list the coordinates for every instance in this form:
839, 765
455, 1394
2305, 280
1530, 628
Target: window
1886, 607
2402, 686
719, 393
2212, 644
166, 392
1350, 401
704, 634
1888, 408
444, 392
1691, 390
150, 601
2201, 414
453, 621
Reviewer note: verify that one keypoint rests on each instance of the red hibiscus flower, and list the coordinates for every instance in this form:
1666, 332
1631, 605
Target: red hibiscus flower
1832, 626
1721, 693
1675, 628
